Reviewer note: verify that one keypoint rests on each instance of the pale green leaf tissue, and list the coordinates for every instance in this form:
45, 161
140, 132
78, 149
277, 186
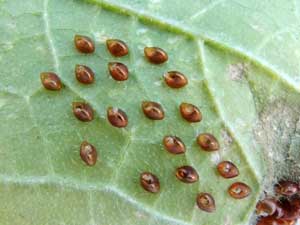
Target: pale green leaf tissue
242, 61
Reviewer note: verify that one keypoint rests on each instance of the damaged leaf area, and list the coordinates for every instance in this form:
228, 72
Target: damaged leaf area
236, 64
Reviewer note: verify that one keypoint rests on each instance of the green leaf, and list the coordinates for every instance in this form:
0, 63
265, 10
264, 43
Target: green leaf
242, 62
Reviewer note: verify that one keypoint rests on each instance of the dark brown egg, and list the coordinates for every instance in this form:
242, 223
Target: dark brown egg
190, 112
153, 110
88, 153
227, 169
149, 182
270, 220
51, 81
83, 111
208, 142
175, 79
206, 202
117, 117
84, 74
287, 188
290, 208
118, 71
117, 47
239, 190
187, 174
84, 44
266, 207
155, 55
174, 144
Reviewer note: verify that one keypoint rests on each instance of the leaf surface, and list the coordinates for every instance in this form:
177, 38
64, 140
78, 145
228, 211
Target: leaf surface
239, 58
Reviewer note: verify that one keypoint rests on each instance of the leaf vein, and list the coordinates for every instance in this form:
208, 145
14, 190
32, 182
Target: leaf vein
80, 186
186, 31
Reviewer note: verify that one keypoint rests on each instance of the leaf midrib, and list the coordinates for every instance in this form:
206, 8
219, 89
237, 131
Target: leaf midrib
148, 19
165, 25
186, 31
